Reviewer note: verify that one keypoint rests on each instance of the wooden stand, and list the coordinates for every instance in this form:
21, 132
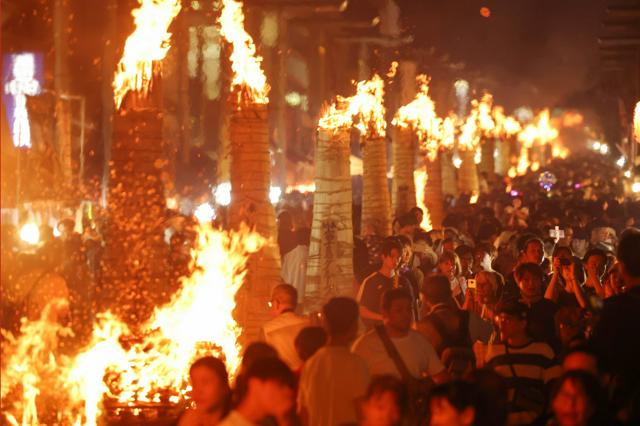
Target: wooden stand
434, 196
468, 174
404, 191
376, 203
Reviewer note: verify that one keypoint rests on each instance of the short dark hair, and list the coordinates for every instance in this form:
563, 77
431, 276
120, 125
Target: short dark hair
460, 394
408, 219
629, 251
391, 295
529, 268
264, 369
309, 340
388, 383
288, 291
558, 249
388, 244
532, 240
437, 289
256, 351
595, 252
213, 364
340, 314
463, 249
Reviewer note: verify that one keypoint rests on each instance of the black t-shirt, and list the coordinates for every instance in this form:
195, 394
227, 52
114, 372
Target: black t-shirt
542, 326
370, 294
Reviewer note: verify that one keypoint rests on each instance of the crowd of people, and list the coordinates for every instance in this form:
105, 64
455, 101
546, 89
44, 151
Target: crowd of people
521, 309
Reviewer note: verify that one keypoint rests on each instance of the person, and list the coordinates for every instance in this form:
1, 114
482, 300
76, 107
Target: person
377, 283
294, 251
595, 265
613, 335
281, 331
565, 286
532, 252
385, 402
307, 343
527, 364
210, 393
267, 390
407, 225
492, 397
446, 327
465, 254
452, 404
529, 277
418, 355
409, 270
582, 358
334, 378
483, 299
579, 400
449, 266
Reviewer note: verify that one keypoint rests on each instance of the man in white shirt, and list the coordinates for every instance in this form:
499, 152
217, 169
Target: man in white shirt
333, 378
418, 354
282, 330
266, 390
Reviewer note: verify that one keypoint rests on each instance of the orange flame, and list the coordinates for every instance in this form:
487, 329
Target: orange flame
245, 63
420, 115
420, 177
197, 321
365, 110
149, 42
504, 125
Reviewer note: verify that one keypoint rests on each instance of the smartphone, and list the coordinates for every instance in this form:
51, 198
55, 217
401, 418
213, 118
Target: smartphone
471, 283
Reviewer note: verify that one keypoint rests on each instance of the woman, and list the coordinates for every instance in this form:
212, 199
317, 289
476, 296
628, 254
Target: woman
482, 300
210, 393
565, 287
453, 404
449, 266
579, 400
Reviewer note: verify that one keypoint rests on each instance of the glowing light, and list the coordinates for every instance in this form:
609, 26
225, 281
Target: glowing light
248, 74
393, 69
204, 213
149, 42
627, 174
222, 194
275, 192
30, 233
420, 177
456, 160
604, 149
303, 188
23, 84
635, 187
474, 198
172, 203
485, 12
636, 122
477, 156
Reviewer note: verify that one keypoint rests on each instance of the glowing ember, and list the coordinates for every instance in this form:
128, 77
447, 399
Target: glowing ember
154, 366
245, 63
149, 42
303, 188
336, 116
420, 179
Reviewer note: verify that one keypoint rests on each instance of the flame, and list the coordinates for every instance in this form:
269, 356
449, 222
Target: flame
469, 136
523, 161
485, 121
197, 321
149, 42
559, 151
420, 115
245, 63
420, 177
636, 122
303, 188
474, 198
504, 125
393, 69
368, 107
365, 110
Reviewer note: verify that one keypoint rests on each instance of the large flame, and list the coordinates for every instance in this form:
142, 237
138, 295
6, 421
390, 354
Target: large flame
505, 126
485, 120
365, 110
420, 116
248, 74
420, 180
149, 42
153, 366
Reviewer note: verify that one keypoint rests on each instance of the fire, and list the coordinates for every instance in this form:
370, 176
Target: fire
365, 110
420, 115
246, 64
153, 366
636, 122
420, 179
504, 125
485, 121
367, 106
149, 42
469, 138
303, 188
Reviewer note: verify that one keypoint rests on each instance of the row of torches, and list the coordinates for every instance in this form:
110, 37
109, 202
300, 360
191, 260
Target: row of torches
174, 335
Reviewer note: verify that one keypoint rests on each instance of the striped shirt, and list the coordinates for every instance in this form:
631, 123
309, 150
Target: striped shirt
534, 365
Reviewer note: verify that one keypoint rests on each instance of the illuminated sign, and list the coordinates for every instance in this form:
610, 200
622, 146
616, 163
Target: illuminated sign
21, 77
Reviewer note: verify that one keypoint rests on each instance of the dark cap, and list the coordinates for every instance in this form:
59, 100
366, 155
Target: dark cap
513, 308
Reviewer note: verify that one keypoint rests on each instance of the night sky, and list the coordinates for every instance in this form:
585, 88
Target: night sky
535, 52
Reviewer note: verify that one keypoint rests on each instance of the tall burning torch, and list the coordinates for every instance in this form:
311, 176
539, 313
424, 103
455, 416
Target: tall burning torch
134, 264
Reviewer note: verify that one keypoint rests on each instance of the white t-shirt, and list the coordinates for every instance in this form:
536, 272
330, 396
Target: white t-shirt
281, 333
417, 353
331, 381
